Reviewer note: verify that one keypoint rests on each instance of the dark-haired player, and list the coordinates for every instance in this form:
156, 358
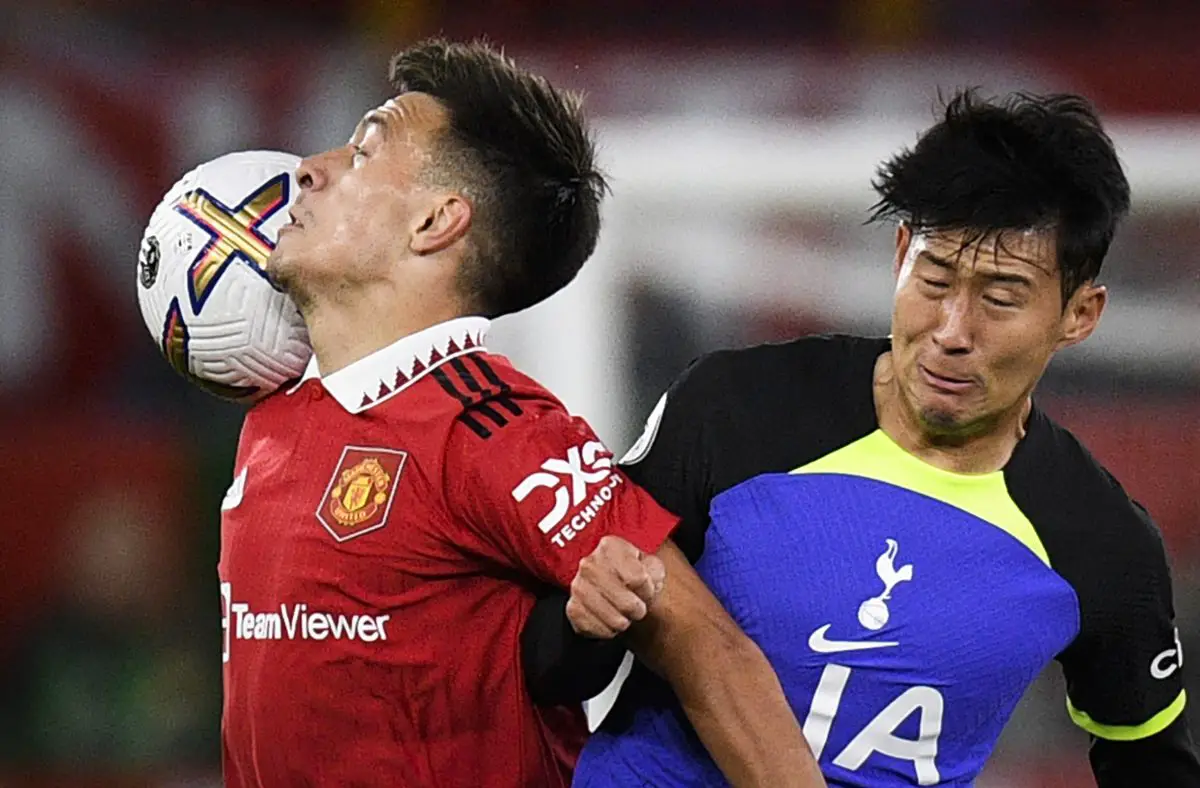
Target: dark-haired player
905, 534
395, 513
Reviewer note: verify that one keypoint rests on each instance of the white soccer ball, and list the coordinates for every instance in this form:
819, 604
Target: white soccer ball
201, 287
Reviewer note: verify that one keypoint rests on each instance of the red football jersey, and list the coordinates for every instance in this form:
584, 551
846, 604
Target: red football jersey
379, 549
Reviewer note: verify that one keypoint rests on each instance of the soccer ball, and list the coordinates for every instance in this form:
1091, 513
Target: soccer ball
204, 296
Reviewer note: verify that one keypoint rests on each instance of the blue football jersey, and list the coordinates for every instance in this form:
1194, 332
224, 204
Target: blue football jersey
904, 608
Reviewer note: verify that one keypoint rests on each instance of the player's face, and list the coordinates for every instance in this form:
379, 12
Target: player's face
974, 327
357, 203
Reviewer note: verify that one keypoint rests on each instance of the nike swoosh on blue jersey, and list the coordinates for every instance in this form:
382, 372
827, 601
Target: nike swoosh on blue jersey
818, 643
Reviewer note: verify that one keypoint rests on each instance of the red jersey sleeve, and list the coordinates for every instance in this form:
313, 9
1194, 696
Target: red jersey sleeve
538, 493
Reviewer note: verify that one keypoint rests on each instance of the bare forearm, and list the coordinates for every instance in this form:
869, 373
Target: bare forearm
734, 701
724, 683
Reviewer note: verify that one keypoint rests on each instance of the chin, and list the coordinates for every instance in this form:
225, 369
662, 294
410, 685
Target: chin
279, 270
953, 426
941, 420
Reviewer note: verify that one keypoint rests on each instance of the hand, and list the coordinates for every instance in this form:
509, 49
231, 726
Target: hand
615, 586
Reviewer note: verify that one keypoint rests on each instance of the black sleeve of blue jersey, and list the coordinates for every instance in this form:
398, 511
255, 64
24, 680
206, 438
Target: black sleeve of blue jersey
1165, 760
563, 668
672, 460
1124, 671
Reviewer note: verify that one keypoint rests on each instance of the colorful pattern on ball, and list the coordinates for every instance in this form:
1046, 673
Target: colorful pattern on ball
202, 286
175, 341
233, 234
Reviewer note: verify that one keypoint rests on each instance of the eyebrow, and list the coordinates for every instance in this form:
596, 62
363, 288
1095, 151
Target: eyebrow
993, 276
373, 118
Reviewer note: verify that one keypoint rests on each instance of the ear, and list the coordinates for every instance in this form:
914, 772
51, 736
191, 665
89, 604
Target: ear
1082, 314
446, 220
903, 239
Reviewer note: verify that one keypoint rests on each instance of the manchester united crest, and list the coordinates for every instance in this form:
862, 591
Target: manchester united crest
359, 496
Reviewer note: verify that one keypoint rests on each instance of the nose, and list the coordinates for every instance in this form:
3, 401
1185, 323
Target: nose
313, 172
955, 331
306, 173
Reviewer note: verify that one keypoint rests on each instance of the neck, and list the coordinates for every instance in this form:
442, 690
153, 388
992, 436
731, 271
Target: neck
983, 451
355, 324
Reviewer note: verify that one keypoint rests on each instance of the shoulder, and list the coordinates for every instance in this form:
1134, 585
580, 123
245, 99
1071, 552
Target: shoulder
809, 369
1088, 523
1122, 671
482, 373
488, 396
500, 415
1052, 460
829, 354
735, 414
512, 437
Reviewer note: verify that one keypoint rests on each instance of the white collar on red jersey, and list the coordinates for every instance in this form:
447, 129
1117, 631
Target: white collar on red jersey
389, 370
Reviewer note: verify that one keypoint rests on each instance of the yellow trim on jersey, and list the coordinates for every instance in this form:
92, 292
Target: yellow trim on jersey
1129, 732
984, 495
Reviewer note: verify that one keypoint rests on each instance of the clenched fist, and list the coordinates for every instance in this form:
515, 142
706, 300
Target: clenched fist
615, 586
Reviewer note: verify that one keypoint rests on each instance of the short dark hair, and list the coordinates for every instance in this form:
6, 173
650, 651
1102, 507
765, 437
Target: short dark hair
1018, 163
520, 150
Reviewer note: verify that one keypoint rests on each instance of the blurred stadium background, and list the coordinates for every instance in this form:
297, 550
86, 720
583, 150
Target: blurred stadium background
740, 137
